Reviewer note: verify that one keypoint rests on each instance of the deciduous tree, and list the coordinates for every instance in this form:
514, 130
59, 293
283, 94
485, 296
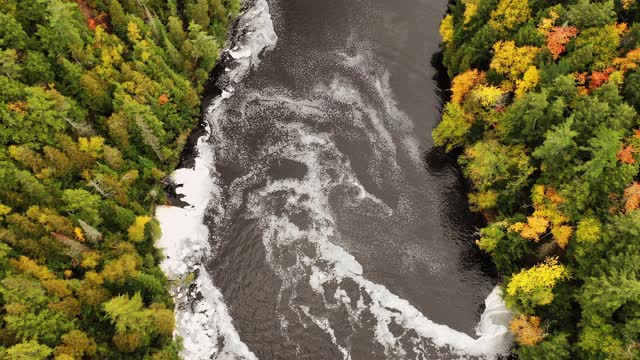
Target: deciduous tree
534, 286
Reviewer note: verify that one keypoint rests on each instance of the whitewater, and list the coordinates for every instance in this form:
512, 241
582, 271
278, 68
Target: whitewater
296, 214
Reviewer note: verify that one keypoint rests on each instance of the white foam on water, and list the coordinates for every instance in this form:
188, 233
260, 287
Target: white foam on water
332, 264
270, 97
340, 90
393, 117
201, 315
258, 35
366, 118
325, 325
202, 318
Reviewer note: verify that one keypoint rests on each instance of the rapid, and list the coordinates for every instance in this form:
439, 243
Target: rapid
319, 222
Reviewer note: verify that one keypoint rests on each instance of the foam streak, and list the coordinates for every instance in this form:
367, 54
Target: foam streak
202, 318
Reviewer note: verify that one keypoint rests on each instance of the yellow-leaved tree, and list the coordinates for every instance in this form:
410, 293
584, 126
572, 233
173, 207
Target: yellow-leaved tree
588, 233
547, 203
4, 210
529, 81
487, 96
470, 9
512, 61
446, 28
92, 145
453, 128
509, 14
534, 286
136, 231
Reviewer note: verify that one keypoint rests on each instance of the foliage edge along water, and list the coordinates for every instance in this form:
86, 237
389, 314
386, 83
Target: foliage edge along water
543, 113
97, 102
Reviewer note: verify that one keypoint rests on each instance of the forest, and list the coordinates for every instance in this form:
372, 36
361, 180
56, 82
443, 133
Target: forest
97, 100
543, 116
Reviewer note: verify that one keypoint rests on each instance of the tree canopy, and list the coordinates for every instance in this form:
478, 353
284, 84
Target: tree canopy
97, 99
544, 114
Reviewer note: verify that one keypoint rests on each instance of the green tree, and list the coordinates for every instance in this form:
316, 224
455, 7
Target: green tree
200, 13
46, 326
585, 13
554, 347
36, 69
119, 19
82, 205
11, 33
602, 174
632, 89
45, 113
77, 344
177, 35
63, 33
454, 127
132, 321
530, 117
97, 92
604, 42
203, 50
29, 350
493, 166
506, 248
9, 65
558, 152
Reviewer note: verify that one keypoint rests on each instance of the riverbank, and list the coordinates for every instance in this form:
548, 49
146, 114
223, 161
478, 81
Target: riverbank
202, 319
544, 117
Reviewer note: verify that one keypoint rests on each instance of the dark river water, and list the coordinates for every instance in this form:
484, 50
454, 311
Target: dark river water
340, 233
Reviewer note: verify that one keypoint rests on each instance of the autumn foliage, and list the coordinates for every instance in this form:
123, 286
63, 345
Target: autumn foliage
598, 78
534, 286
632, 197
464, 83
163, 99
511, 60
97, 101
527, 330
558, 37
92, 24
548, 137
547, 214
625, 155
629, 61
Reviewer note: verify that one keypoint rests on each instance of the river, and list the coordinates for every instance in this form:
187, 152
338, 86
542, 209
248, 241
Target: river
333, 230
